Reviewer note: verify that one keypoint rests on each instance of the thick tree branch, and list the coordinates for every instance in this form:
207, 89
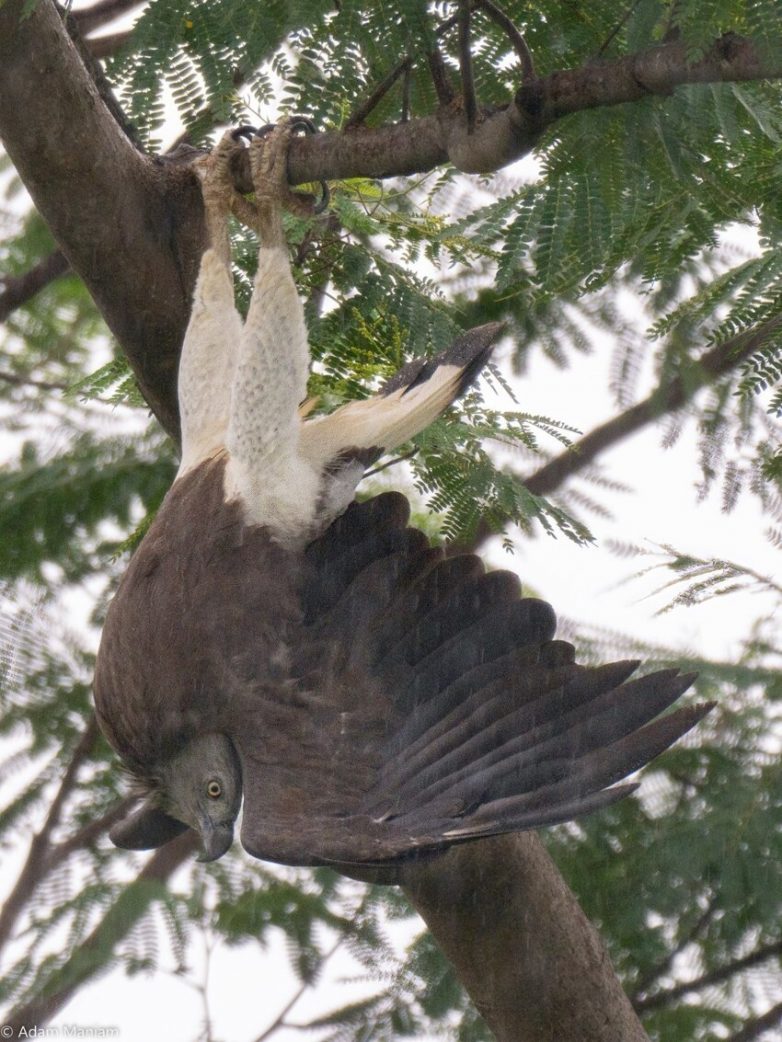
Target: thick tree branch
96, 950
135, 246
529, 958
137, 249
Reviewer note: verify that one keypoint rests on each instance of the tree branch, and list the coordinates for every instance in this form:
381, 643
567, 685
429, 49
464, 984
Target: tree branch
527, 955
135, 248
156, 219
666, 398
653, 975
18, 289
25, 381
666, 998
105, 46
96, 950
37, 864
759, 1026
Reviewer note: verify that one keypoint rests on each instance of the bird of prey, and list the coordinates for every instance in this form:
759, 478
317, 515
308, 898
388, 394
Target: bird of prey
274, 642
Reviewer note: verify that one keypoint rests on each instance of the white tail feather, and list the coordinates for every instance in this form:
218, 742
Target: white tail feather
383, 422
412, 400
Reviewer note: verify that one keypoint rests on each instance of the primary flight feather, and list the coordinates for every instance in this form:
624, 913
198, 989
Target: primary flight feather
276, 643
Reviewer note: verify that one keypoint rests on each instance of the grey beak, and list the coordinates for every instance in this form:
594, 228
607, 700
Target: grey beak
215, 839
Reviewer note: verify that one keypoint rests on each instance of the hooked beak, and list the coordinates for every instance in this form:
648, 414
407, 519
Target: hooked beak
215, 839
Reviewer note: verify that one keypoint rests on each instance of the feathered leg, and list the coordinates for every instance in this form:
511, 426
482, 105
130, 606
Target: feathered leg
214, 331
279, 488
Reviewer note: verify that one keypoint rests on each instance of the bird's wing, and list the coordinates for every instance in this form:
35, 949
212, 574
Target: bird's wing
439, 707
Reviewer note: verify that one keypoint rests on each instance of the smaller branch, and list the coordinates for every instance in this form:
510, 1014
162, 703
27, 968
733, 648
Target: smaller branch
100, 14
759, 1025
390, 463
442, 84
465, 66
89, 958
407, 89
279, 1021
24, 381
88, 833
18, 289
617, 28
519, 43
663, 999
37, 864
377, 95
666, 398
654, 974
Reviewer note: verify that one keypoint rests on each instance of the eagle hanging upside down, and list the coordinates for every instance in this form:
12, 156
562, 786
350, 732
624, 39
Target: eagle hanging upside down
276, 642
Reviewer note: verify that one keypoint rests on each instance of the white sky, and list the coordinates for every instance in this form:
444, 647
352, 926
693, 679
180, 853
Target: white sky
248, 987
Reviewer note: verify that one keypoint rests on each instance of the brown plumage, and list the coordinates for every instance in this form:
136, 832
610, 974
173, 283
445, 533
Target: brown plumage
368, 698
381, 699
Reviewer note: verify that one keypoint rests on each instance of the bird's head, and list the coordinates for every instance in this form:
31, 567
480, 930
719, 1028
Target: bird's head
200, 787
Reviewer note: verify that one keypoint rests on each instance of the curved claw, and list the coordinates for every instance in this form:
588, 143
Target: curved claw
295, 123
246, 130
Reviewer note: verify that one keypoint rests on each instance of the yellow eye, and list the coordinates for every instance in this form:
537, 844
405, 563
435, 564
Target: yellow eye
214, 789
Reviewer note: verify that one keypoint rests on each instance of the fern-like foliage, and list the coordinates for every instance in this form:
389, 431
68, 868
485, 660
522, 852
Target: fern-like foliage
633, 203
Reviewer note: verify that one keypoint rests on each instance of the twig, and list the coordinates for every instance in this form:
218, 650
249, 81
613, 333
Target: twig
37, 864
617, 28
663, 999
18, 289
465, 66
26, 381
759, 1025
390, 463
439, 73
407, 89
519, 43
279, 1021
404, 66
377, 95
96, 950
665, 964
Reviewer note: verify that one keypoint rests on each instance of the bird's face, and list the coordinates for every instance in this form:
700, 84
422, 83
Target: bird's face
202, 786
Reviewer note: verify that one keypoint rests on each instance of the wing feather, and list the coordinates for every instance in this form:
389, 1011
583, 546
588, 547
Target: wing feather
446, 710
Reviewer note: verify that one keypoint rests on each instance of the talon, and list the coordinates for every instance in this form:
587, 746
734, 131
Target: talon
269, 166
270, 173
218, 192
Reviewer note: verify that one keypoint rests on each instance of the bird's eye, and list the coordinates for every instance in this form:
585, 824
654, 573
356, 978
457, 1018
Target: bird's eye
213, 789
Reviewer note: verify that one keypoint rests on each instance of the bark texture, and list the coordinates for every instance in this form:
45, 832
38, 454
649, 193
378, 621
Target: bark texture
132, 227
529, 958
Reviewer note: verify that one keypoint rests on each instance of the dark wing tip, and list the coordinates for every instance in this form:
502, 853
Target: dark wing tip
470, 351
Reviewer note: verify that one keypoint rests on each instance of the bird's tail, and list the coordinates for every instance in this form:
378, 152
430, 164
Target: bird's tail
405, 405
